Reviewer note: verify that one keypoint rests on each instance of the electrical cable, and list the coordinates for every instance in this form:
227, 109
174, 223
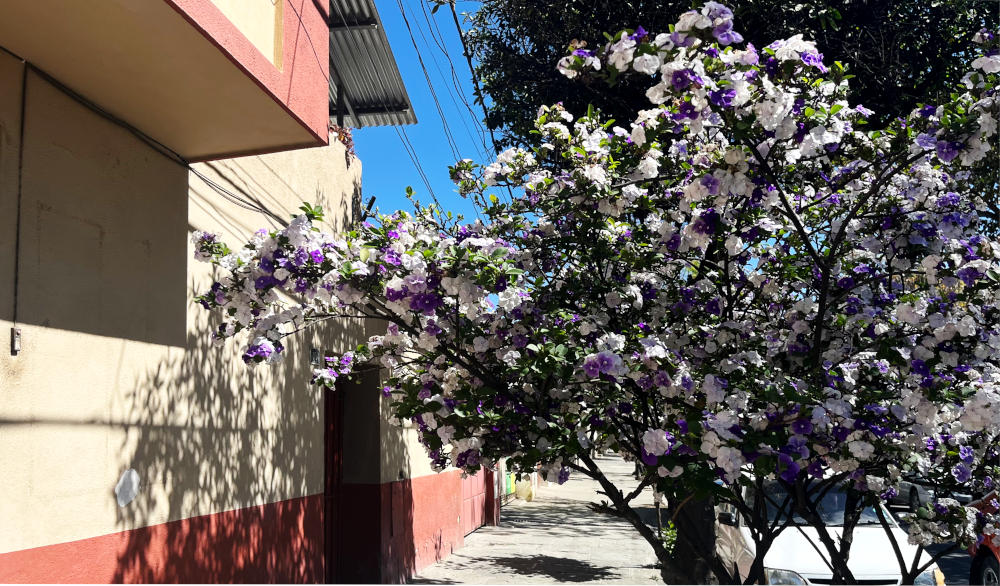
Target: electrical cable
156, 145
438, 38
472, 71
430, 86
373, 80
20, 184
453, 82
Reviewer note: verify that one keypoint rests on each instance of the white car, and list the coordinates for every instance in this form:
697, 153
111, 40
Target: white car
793, 557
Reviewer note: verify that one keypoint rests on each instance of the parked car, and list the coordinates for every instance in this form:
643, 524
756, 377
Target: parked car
986, 556
794, 556
912, 492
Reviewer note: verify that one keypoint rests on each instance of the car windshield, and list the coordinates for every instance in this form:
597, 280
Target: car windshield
830, 507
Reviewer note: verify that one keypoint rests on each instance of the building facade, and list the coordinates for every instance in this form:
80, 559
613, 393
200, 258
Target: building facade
134, 450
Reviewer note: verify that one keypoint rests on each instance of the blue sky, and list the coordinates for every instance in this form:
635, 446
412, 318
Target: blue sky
386, 166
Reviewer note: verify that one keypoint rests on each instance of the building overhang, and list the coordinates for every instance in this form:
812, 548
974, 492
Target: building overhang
365, 88
190, 74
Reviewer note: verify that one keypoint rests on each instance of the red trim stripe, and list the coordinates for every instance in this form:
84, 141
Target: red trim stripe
276, 542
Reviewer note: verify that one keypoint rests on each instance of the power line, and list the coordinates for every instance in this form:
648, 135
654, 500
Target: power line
156, 145
472, 71
430, 86
438, 39
373, 80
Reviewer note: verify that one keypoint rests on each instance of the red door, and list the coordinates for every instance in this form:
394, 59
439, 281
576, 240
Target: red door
473, 501
333, 448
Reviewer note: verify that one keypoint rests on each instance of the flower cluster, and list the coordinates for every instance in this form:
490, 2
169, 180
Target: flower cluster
740, 282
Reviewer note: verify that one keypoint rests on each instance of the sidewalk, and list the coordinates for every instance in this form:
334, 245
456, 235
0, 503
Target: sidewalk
555, 539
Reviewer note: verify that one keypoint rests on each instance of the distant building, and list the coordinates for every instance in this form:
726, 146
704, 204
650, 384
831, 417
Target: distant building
112, 392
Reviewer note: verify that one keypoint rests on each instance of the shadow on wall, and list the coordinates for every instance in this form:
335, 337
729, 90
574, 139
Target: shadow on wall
207, 437
233, 460
96, 207
234, 176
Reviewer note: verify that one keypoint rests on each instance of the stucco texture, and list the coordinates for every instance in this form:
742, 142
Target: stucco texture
117, 369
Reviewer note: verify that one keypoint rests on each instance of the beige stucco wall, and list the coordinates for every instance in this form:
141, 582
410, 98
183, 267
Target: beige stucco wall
260, 21
117, 370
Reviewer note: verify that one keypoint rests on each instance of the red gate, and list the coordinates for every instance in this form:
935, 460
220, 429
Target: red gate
474, 501
333, 440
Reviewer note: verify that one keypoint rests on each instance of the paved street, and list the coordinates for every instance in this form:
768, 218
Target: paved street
554, 539
558, 539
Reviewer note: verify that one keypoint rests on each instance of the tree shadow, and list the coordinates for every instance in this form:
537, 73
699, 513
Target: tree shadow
555, 568
232, 465
240, 470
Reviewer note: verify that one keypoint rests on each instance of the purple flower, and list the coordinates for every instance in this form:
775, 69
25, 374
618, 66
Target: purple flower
468, 459
707, 222
722, 97
648, 459
926, 141
260, 350
966, 454
814, 60
948, 150
682, 78
681, 39
961, 472
727, 37
392, 257
688, 111
715, 10
969, 275
425, 302
802, 427
563, 473
791, 468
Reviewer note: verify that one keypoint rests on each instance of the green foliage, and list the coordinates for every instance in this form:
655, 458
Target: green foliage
668, 534
905, 52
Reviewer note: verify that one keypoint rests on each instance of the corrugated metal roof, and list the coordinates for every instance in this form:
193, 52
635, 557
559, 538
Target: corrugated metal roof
365, 86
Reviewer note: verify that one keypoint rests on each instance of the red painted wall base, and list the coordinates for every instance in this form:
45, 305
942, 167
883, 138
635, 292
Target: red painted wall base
277, 542
388, 532
396, 529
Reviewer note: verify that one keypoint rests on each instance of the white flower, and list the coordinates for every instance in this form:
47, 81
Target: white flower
654, 441
691, 20
988, 63
508, 355
861, 450
647, 64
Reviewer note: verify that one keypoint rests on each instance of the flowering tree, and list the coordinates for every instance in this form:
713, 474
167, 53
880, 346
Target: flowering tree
739, 286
